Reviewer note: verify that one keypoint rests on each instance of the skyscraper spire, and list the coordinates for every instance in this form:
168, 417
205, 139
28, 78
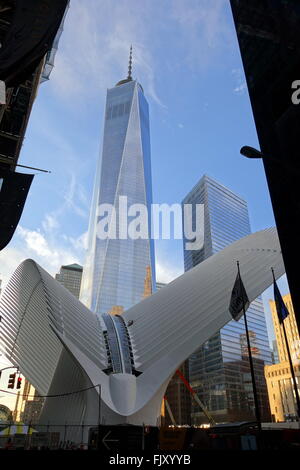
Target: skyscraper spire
129, 77
130, 64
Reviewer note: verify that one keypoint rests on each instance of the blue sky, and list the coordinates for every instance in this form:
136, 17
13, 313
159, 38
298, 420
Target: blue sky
186, 56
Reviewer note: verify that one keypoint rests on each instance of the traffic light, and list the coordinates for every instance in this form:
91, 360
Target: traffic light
11, 381
19, 382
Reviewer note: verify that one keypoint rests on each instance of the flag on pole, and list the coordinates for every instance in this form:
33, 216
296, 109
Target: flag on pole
239, 300
281, 309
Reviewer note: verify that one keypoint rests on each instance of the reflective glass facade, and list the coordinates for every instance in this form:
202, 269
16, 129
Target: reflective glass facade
116, 269
70, 277
219, 370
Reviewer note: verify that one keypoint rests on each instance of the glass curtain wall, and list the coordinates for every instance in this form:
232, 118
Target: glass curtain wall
116, 269
219, 370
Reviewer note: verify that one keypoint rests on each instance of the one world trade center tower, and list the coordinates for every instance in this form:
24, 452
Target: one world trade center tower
118, 268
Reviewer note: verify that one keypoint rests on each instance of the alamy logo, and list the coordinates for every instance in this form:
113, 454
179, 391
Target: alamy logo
296, 94
123, 221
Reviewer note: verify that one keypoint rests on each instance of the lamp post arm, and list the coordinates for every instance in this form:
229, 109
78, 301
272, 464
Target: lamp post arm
252, 153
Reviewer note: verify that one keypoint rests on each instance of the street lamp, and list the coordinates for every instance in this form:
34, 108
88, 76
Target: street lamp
251, 152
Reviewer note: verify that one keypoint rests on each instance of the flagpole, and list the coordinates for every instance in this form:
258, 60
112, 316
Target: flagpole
256, 404
289, 357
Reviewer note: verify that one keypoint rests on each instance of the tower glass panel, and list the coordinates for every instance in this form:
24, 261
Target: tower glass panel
219, 370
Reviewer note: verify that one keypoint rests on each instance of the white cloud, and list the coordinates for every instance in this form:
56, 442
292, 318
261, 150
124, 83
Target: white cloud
50, 223
36, 242
74, 201
166, 273
241, 88
79, 244
240, 81
71, 198
10, 258
202, 29
94, 49
49, 252
46, 243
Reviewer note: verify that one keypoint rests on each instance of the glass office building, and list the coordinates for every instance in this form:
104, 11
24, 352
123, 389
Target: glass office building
116, 268
70, 277
219, 370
